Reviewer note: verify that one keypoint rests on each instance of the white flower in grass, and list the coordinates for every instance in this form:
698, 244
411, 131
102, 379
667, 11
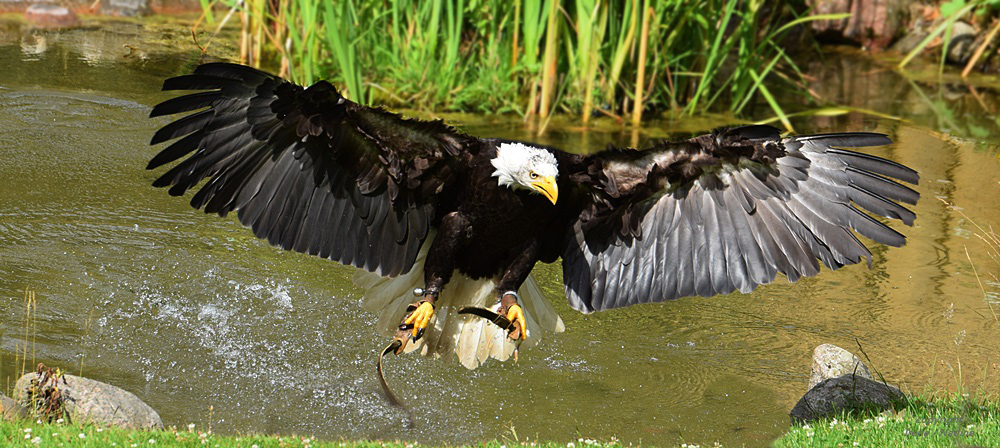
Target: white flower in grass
152, 441
970, 426
37, 440
190, 426
27, 436
59, 420
27, 430
82, 436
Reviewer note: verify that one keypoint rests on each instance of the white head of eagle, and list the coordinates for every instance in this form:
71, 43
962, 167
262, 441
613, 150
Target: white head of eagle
522, 166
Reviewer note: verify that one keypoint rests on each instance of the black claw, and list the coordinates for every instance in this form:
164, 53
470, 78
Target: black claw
420, 333
500, 321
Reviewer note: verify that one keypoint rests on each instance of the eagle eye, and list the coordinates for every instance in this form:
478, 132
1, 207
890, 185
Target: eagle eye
533, 175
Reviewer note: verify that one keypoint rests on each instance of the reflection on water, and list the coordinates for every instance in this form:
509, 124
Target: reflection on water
190, 311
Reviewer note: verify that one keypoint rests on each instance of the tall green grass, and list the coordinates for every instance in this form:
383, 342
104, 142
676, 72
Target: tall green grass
538, 57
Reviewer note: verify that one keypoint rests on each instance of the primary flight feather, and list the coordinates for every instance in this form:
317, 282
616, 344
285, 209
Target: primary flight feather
421, 204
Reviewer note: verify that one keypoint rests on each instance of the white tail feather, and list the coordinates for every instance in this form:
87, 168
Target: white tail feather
472, 339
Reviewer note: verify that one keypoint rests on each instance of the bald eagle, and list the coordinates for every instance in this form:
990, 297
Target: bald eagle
419, 204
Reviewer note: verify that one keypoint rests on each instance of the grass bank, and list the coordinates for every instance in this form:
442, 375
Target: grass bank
955, 420
932, 422
28, 434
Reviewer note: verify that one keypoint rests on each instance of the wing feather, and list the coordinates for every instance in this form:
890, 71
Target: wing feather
305, 168
727, 212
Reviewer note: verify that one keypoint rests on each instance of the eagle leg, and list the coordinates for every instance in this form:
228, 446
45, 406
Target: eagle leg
513, 312
419, 314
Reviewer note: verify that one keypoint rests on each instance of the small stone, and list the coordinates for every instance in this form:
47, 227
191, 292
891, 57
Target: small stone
910, 41
962, 43
836, 395
50, 16
127, 8
11, 410
830, 361
88, 400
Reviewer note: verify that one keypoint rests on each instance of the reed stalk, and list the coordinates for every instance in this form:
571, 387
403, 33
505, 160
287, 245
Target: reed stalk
592, 61
549, 60
640, 77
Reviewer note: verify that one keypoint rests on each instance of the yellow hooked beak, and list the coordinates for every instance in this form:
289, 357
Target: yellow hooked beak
547, 187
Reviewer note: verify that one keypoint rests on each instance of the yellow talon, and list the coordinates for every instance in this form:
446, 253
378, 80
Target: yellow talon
516, 316
420, 318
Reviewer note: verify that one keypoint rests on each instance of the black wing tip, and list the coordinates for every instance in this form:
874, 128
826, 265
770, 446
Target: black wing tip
209, 72
750, 132
162, 135
158, 111
223, 65
850, 139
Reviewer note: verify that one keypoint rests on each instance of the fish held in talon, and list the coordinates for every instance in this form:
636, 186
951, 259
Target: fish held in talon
417, 204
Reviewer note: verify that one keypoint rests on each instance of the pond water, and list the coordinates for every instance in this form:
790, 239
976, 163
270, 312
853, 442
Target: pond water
211, 326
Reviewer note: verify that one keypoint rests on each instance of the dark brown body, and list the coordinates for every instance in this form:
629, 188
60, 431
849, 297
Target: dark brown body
489, 230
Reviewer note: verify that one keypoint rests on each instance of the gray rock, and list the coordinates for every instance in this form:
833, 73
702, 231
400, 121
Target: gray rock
49, 16
962, 43
833, 396
11, 410
830, 361
910, 41
94, 401
873, 23
127, 8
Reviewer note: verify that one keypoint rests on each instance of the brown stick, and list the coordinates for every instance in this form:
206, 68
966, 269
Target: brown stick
980, 50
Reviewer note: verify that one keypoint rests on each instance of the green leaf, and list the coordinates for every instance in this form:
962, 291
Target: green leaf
950, 8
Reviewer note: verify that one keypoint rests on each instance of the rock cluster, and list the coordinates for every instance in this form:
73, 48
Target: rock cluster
899, 24
841, 382
50, 16
87, 400
872, 24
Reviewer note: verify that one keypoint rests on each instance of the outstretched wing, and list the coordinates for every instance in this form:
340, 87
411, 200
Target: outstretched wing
726, 212
305, 168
